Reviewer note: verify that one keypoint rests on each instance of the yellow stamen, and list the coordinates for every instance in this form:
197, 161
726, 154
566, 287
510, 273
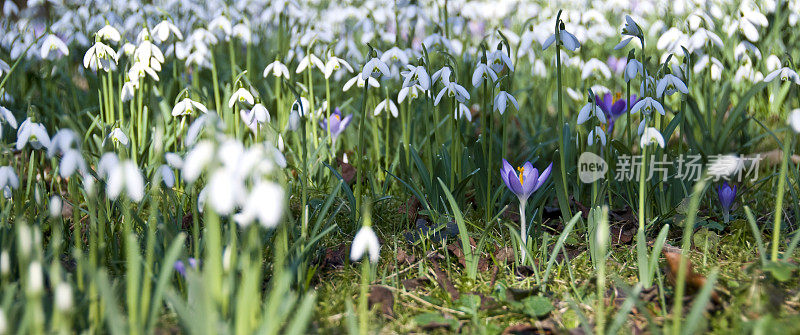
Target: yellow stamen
617, 95
336, 116
521, 170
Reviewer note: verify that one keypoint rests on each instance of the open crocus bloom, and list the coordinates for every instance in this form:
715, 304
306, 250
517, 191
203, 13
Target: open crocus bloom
337, 123
727, 195
614, 107
524, 180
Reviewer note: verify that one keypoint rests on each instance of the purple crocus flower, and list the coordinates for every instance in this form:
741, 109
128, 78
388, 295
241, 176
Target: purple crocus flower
726, 196
337, 123
523, 182
181, 267
617, 64
614, 107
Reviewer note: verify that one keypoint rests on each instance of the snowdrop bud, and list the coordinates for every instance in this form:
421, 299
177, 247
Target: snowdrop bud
2, 322
365, 242
25, 239
280, 143
226, 259
35, 278
63, 297
794, 120
55, 206
37, 195
5, 263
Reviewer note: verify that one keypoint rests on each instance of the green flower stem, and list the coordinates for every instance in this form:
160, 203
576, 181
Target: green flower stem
776, 229
680, 283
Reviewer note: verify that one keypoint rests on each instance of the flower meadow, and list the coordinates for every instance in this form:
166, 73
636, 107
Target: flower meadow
408, 166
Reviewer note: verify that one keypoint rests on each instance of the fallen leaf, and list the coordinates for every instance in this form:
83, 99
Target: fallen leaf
404, 258
379, 294
444, 281
415, 283
694, 280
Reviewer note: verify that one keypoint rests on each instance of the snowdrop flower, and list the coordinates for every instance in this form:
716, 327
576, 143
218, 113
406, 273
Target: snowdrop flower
243, 97
277, 69
63, 297
8, 178
225, 191
335, 63
387, 105
785, 74
264, 203
242, 32
8, 117
794, 120
128, 91
166, 175
748, 23
61, 142
443, 74
187, 106
221, 24
416, 75
35, 278
483, 71
117, 136
163, 29
53, 47
632, 69
108, 33
597, 133
374, 68
33, 133
631, 29
595, 65
670, 84
591, 109
71, 161
149, 54
569, 41
360, 82
365, 242
395, 55
498, 59
463, 110
501, 102
715, 65
412, 92
651, 135
453, 90
173, 160
255, 117
55, 206
100, 56
139, 70
308, 60
197, 159
648, 106
4, 68
125, 175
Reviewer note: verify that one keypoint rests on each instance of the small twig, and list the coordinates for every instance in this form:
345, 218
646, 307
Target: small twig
422, 301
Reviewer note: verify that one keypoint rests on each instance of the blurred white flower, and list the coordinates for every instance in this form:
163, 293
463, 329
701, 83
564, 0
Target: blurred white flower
71, 161
264, 203
222, 25
7, 116
395, 55
594, 65
709, 62
187, 106
53, 47
374, 68
8, 178
365, 242
63, 297
670, 84
242, 32
309, 60
277, 69
597, 133
35, 282
483, 71
794, 120
128, 91
5, 265
785, 74
162, 30
125, 175
55, 206
243, 97
117, 136
501, 101
197, 159
108, 33
386, 105
167, 176
255, 117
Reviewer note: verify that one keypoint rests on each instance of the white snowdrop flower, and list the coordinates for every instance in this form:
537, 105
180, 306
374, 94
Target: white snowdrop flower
588, 110
128, 91
785, 74
173, 160
632, 69
483, 71
463, 111
714, 64
386, 105
53, 47
294, 121
35, 278
702, 37
4, 68
280, 143
594, 65
412, 92
360, 82
501, 101
167, 176
55, 206
117, 136
453, 90
794, 120
5, 264
443, 74
33, 133
597, 134
309, 60
255, 117
127, 49
71, 161
63, 297
374, 68
8, 178
243, 97
197, 159
365, 242
575, 95
100, 56
7, 116
127, 176
222, 25
62, 141
437, 40
187, 106
108, 33
108, 161
224, 192
264, 203
149, 54
416, 75
163, 29
277, 69
567, 39
499, 59
670, 84
744, 50
395, 55
139, 70
648, 106
334, 64
242, 32
748, 23
773, 63
651, 135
